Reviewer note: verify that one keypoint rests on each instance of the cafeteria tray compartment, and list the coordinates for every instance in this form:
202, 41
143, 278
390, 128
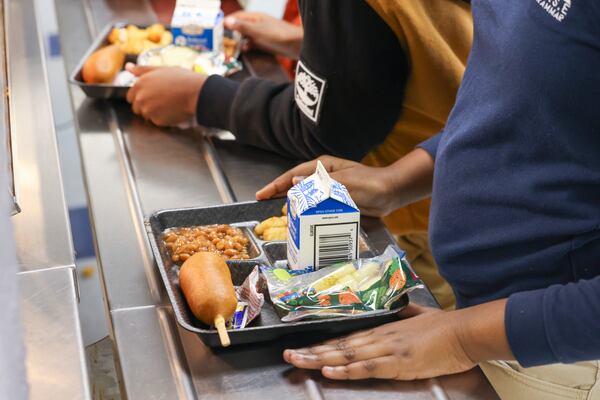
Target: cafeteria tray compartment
267, 326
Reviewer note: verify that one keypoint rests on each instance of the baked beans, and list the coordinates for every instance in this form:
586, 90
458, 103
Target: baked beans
228, 241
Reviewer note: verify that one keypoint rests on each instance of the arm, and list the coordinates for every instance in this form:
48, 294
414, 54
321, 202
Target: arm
431, 144
267, 33
349, 103
377, 191
556, 324
349, 47
430, 344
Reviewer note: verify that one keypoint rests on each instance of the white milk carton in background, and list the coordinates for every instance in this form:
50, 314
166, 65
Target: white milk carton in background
198, 24
323, 223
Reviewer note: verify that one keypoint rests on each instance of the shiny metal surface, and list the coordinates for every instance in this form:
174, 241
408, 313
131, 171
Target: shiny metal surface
248, 169
248, 372
56, 365
4, 117
151, 363
132, 169
55, 358
42, 230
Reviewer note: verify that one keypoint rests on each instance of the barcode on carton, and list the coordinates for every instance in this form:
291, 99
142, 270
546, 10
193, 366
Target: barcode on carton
335, 243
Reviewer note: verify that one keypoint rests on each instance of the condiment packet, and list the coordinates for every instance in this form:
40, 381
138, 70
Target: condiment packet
240, 317
250, 301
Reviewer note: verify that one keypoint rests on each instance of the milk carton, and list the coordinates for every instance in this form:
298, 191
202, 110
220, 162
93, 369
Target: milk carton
323, 223
198, 24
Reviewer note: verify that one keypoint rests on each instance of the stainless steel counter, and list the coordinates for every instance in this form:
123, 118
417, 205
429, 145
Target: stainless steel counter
42, 229
132, 169
56, 366
55, 361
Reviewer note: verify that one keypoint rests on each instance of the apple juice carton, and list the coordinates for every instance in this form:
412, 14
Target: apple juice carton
323, 223
198, 24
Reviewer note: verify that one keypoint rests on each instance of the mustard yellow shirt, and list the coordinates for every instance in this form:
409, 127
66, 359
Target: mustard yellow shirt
436, 36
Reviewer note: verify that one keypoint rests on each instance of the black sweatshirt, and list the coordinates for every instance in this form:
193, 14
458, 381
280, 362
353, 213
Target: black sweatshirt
345, 100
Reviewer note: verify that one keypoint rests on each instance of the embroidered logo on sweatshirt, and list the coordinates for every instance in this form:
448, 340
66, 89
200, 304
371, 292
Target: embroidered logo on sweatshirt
308, 92
557, 8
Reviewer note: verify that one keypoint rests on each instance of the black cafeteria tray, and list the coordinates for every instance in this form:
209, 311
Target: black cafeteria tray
267, 326
101, 90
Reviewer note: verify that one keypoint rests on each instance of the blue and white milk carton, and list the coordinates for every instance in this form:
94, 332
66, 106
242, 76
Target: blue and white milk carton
323, 223
198, 24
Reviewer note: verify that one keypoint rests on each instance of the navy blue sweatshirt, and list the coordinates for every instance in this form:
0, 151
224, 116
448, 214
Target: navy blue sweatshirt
516, 196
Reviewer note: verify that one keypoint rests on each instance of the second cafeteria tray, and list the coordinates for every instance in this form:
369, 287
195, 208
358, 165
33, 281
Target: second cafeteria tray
100, 90
267, 325
109, 90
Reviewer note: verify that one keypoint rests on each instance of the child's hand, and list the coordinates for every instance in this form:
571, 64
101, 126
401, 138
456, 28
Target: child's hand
428, 343
424, 346
267, 33
166, 96
367, 185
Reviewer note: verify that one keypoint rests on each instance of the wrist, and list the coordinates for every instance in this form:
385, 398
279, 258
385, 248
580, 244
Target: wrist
193, 95
293, 42
409, 179
481, 333
390, 184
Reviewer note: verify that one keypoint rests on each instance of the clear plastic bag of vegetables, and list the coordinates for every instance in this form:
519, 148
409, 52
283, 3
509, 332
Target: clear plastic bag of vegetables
353, 287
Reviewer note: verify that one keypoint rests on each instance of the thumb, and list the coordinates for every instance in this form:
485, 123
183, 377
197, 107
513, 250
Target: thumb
240, 24
138, 70
297, 179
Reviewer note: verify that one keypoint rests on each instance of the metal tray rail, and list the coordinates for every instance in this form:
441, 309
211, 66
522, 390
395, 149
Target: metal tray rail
267, 325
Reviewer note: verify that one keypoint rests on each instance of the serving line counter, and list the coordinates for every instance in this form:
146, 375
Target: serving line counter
132, 169
55, 358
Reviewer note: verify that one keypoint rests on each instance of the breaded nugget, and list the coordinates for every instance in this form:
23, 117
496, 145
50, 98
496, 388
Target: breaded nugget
275, 233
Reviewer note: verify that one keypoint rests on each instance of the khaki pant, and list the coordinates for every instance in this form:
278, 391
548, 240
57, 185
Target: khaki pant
418, 253
579, 381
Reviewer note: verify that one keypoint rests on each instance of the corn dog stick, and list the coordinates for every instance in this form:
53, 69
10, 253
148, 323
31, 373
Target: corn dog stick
223, 335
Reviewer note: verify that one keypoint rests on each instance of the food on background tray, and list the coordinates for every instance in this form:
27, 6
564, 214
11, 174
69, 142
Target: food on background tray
134, 40
228, 241
170, 56
230, 47
154, 46
185, 57
206, 283
274, 228
343, 289
103, 65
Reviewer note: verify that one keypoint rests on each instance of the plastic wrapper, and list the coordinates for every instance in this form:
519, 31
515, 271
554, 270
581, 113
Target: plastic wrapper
222, 63
354, 287
250, 302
